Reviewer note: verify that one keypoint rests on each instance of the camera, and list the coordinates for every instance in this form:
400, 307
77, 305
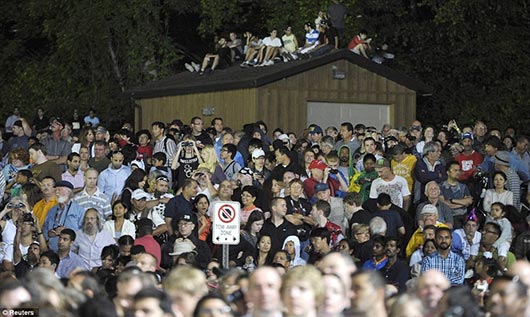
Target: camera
186, 143
235, 296
15, 206
27, 217
334, 171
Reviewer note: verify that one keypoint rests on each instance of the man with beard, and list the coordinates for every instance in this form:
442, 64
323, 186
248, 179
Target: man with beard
444, 260
469, 159
73, 174
396, 271
66, 214
91, 239
161, 195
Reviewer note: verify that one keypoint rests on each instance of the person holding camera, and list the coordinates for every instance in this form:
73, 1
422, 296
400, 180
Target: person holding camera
186, 160
20, 219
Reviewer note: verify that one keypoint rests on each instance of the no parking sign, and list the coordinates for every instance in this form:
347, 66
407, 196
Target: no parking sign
226, 223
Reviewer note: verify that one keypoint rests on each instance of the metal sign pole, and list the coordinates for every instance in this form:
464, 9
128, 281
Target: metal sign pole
225, 256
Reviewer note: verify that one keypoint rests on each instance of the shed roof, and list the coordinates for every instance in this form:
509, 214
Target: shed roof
236, 77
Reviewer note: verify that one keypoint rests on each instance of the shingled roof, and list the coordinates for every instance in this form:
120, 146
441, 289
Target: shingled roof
236, 77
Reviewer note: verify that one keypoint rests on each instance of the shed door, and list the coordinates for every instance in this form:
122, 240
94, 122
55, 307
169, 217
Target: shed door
327, 114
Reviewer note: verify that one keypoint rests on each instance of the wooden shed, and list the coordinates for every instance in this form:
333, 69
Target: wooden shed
340, 86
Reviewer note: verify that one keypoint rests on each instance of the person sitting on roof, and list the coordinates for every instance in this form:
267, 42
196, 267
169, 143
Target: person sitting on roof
270, 49
251, 49
290, 45
360, 43
311, 38
222, 58
236, 47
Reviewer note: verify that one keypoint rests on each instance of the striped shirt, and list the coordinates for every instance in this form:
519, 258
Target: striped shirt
453, 266
168, 147
98, 201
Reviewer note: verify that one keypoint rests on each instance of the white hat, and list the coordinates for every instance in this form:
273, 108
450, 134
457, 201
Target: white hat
257, 153
429, 209
283, 137
140, 194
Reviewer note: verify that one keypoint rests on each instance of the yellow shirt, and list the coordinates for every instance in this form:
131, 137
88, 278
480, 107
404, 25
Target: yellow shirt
417, 239
41, 208
405, 169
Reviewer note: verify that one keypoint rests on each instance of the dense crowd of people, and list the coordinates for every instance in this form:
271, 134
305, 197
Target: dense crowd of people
344, 221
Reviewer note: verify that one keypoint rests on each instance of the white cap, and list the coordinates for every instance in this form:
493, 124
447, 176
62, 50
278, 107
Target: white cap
257, 153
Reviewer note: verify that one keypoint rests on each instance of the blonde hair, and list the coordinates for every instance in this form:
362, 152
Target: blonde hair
308, 274
212, 161
186, 280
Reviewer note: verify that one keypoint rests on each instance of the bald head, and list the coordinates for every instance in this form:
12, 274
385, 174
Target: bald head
431, 287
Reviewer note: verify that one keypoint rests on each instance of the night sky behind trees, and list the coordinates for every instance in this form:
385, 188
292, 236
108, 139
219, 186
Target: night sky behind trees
81, 54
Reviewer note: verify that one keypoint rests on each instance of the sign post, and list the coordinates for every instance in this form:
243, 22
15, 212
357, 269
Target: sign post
226, 226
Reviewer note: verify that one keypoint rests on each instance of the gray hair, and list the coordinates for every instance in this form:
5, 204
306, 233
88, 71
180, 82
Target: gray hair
377, 226
99, 223
429, 147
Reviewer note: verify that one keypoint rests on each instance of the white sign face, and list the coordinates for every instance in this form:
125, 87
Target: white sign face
226, 222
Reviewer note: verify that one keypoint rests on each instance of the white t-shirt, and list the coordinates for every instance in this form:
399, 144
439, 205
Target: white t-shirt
272, 42
396, 188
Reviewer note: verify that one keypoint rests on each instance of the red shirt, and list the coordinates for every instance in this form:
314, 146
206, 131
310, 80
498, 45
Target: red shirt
151, 246
356, 40
336, 234
468, 163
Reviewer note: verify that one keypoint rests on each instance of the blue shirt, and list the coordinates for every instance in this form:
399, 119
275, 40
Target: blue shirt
453, 266
68, 264
71, 217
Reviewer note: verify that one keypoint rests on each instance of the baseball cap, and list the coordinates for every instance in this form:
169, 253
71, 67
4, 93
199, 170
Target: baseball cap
467, 135
258, 153
186, 217
321, 187
140, 194
59, 120
101, 130
429, 209
382, 162
313, 129
283, 137
317, 164
64, 184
